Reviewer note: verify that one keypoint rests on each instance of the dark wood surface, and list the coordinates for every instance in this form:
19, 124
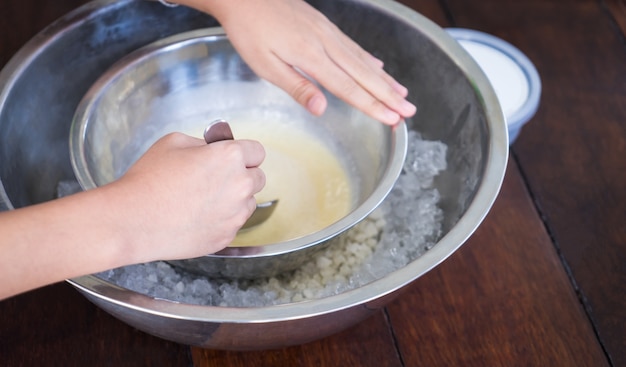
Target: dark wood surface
541, 283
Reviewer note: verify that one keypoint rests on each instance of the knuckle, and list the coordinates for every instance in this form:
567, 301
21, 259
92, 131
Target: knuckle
247, 185
233, 151
376, 107
251, 206
173, 138
242, 216
348, 87
302, 90
241, 219
262, 179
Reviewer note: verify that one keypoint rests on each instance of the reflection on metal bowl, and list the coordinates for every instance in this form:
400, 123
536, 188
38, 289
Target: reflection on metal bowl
183, 82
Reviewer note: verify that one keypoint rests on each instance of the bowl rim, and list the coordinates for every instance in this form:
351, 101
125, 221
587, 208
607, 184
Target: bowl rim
82, 118
494, 170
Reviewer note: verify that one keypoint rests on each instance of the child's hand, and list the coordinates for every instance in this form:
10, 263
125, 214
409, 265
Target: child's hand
278, 38
185, 198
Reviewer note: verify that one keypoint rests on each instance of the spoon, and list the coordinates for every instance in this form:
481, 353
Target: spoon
219, 130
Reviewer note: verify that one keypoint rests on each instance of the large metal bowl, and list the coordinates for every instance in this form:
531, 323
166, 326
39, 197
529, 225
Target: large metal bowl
181, 83
44, 82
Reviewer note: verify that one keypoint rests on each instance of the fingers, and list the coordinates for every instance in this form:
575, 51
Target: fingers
357, 78
376, 65
247, 153
229, 155
252, 152
383, 106
347, 71
258, 180
178, 140
301, 89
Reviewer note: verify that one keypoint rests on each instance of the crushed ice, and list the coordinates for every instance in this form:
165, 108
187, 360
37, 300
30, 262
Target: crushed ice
407, 224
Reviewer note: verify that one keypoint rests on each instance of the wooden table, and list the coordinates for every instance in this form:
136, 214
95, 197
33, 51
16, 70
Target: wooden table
541, 283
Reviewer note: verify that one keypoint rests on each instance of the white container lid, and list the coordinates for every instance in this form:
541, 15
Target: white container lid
512, 75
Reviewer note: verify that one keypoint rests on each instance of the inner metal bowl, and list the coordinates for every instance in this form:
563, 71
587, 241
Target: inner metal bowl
456, 104
183, 82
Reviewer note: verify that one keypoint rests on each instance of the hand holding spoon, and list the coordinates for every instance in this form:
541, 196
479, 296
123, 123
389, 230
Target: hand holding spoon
219, 130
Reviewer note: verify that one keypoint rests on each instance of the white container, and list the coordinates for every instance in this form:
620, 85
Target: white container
512, 75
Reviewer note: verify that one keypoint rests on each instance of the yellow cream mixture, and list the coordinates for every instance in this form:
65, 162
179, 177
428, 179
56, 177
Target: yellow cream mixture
312, 187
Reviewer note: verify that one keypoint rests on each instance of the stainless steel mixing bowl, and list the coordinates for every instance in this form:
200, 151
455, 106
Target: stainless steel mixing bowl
456, 105
182, 83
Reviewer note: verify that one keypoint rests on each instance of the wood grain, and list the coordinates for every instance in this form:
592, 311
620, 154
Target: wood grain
573, 152
617, 8
21, 20
502, 300
56, 326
